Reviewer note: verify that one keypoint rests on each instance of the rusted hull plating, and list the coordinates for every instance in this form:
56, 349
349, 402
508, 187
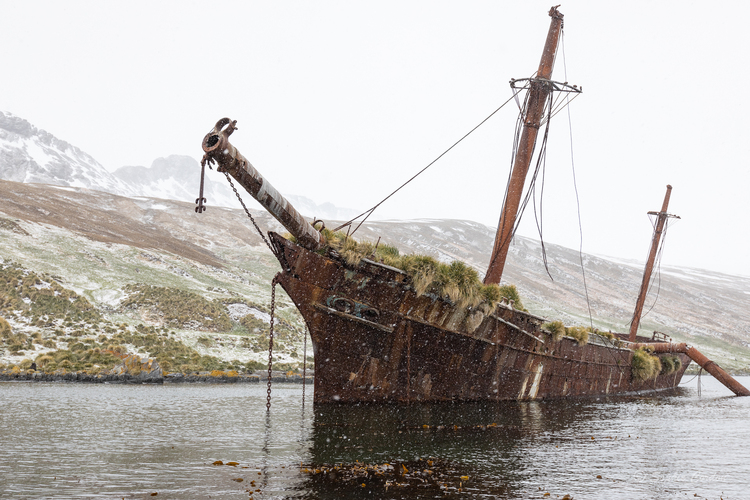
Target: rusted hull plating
374, 340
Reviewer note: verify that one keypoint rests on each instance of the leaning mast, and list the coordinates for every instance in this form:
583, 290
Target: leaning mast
658, 230
541, 87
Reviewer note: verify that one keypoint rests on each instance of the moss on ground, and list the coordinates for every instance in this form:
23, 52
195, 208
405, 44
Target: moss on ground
41, 298
178, 308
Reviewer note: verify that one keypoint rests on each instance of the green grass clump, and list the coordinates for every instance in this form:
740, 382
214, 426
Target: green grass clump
460, 283
677, 363
178, 308
254, 325
43, 360
643, 365
607, 335
579, 333
670, 364
206, 341
510, 292
5, 329
457, 281
422, 269
556, 328
350, 250
387, 254
16, 348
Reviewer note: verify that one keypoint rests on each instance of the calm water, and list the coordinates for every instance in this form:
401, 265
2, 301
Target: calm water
114, 441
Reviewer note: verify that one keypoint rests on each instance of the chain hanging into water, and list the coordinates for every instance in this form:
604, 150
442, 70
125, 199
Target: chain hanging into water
248, 212
304, 368
270, 339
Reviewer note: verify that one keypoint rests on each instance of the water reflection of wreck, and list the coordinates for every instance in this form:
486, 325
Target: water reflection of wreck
376, 339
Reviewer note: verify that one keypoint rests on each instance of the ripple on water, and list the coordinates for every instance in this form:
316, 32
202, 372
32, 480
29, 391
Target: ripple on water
80, 440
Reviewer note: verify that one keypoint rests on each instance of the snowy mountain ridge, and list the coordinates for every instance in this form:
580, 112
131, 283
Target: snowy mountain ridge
32, 155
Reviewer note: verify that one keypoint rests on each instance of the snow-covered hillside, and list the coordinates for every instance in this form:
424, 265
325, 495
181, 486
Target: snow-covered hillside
29, 154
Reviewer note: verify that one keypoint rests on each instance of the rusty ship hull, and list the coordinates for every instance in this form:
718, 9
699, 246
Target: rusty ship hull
376, 340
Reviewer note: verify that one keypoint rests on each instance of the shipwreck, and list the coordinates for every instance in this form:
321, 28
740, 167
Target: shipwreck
378, 337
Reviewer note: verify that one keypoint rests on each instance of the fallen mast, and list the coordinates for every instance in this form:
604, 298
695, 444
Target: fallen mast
705, 363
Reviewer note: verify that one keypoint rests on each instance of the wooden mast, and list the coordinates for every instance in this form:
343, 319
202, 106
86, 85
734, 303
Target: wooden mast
538, 93
663, 215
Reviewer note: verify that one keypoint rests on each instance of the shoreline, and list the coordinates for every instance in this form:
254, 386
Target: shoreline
171, 378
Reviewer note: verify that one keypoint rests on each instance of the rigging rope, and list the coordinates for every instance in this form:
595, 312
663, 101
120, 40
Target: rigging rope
575, 187
619, 356
656, 279
531, 191
371, 210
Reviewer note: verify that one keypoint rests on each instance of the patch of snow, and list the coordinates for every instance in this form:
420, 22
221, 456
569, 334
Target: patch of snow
63, 188
261, 315
38, 153
239, 311
111, 297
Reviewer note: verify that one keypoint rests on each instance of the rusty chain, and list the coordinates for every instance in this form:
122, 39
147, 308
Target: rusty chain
248, 212
304, 367
270, 339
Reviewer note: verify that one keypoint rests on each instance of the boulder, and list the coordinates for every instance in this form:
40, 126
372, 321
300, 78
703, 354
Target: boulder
134, 368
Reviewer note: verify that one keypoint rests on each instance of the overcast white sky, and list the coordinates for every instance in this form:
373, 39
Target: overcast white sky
343, 101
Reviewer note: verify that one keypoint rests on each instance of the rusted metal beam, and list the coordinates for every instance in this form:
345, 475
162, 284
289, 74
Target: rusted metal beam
649, 265
540, 90
705, 363
217, 148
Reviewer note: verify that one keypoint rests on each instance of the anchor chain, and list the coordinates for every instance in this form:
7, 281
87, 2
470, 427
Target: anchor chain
248, 212
270, 339
304, 368
200, 208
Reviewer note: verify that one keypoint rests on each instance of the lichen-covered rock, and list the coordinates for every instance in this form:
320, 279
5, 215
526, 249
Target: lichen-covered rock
141, 370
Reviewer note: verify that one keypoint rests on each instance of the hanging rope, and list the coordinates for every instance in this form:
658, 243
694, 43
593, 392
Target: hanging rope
369, 212
657, 279
531, 191
575, 188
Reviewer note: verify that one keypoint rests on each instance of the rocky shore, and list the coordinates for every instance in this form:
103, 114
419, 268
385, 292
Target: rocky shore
170, 378
136, 370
